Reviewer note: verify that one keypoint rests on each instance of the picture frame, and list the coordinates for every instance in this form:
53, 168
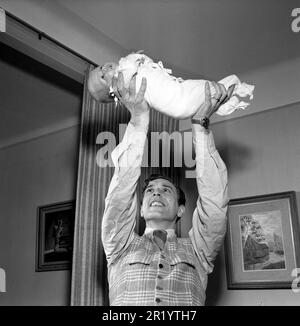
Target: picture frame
262, 245
55, 230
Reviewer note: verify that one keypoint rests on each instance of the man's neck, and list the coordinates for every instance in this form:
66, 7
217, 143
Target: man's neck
161, 225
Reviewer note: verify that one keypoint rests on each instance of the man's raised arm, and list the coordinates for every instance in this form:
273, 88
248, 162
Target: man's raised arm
209, 218
120, 204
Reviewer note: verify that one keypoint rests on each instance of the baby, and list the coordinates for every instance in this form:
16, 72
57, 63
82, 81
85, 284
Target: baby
165, 93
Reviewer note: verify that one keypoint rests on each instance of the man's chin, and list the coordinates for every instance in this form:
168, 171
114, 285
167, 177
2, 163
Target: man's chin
156, 210
155, 216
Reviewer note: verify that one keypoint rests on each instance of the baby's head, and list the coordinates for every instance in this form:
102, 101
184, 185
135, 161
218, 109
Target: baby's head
100, 80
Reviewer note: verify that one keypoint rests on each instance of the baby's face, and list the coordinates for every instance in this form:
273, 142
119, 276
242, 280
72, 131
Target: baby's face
108, 70
100, 80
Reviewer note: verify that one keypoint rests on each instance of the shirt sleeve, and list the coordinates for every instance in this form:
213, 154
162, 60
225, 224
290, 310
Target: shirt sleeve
209, 217
121, 203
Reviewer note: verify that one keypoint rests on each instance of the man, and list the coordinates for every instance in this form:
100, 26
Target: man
158, 268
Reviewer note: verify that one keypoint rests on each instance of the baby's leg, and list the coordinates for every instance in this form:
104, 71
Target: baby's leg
182, 99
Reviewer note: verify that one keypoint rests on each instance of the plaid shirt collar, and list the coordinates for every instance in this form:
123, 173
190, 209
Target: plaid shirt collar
170, 232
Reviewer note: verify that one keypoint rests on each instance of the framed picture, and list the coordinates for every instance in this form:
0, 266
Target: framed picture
262, 246
55, 229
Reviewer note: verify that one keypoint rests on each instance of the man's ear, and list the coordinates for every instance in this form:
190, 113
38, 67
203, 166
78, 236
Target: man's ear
181, 210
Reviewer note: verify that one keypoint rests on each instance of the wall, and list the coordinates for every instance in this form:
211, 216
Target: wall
262, 153
34, 173
276, 85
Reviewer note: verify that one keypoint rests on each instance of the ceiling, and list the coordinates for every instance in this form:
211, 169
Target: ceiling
207, 38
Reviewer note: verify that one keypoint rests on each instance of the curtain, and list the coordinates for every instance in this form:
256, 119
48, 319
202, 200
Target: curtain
88, 286
89, 275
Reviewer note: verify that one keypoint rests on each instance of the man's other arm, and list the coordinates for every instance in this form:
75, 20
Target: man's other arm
209, 217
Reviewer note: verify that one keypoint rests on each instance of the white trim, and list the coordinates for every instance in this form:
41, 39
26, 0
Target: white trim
2, 20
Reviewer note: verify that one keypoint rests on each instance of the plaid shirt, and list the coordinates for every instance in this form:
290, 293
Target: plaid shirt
139, 273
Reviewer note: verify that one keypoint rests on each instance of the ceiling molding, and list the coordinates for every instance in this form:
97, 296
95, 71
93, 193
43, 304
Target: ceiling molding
40, 132
39, 46
186, 125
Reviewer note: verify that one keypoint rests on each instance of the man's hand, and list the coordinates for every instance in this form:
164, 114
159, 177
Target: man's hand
212, 104
134, 102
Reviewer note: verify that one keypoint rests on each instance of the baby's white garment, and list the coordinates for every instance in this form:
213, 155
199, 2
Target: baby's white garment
176, 97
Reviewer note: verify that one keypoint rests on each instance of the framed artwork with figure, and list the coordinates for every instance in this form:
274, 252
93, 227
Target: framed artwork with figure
262, 247
55, 230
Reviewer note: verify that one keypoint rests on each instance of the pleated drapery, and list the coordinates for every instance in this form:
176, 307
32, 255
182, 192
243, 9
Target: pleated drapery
89, 275
88, 286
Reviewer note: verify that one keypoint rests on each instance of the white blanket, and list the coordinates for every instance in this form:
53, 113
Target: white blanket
176, 97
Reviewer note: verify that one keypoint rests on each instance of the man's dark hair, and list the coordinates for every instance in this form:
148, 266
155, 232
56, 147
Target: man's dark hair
180, 193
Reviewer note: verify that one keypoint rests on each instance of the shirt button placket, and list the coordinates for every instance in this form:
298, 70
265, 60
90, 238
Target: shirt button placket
158, 288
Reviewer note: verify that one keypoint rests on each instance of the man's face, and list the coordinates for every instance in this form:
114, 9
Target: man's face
160, 201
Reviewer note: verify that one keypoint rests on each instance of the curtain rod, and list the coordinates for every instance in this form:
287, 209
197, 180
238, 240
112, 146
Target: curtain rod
49, 38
